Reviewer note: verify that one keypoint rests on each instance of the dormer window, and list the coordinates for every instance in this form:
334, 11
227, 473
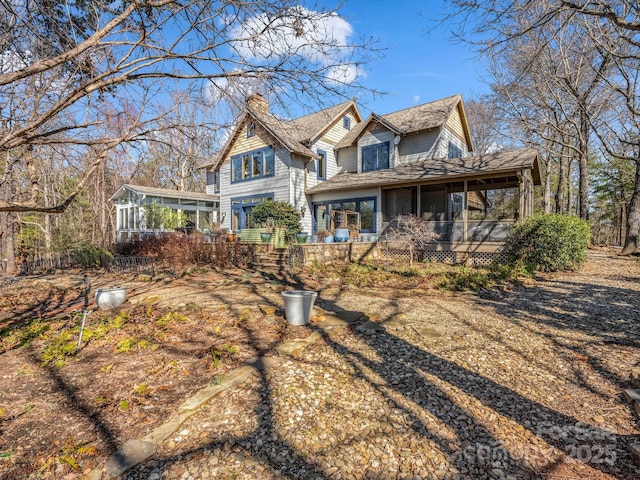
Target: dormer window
453, 151
346, 123
375, 157
251, 129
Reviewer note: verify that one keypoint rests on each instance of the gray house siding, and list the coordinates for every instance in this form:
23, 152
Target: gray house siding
347, 159
448, 136
414, 147
277, 184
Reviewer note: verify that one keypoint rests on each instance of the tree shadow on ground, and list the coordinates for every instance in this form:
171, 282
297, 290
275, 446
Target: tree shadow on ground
420, 384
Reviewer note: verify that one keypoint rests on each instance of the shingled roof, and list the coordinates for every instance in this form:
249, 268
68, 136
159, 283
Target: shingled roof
413, 119
164, 192
294, 134
311, 126
434, 169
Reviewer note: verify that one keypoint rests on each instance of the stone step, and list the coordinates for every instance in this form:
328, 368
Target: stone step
632, 395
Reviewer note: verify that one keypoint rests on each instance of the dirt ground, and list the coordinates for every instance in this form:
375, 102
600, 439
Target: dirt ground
63, 412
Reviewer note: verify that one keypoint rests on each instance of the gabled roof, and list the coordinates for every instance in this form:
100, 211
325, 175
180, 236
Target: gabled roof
294, 135
163, 192
435, 169
312, 126
410, 120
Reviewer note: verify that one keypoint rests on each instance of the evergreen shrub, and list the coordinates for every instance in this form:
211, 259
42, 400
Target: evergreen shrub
548, 243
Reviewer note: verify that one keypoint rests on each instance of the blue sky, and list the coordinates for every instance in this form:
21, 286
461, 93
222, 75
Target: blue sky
419, 65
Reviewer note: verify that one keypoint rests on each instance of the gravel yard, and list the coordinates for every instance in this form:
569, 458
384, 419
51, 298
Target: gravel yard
520, 384
523, 382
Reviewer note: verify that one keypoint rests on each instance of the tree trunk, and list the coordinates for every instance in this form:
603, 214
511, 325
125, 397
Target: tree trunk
547, 185
7, 224
632, 242
583, 167
569, 206
560, 189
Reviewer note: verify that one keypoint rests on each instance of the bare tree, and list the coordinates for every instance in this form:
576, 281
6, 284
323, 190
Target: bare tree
553, 77
611, 27
75, 62
62, 63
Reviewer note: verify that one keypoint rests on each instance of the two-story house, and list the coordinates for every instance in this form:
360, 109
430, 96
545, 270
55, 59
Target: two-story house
266, 157
332, 165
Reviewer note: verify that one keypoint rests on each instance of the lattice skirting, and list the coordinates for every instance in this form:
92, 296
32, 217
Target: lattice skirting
473, 259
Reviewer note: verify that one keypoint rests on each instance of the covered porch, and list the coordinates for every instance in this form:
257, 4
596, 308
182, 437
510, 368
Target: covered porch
462, 205
456, 214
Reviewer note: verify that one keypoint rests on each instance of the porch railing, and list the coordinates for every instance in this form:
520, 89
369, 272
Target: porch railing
495, 231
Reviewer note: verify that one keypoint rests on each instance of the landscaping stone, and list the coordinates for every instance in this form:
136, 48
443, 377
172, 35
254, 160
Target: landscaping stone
268, 309
295, 347
204, 395
428, 332
129, 455
635, 450
632, 395
152, 299
370, 328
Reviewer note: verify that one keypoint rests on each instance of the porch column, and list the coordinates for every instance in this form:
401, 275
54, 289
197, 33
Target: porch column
525, 190
464, 213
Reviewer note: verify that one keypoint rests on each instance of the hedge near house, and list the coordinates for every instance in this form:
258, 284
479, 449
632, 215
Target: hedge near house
548, 243
280, 214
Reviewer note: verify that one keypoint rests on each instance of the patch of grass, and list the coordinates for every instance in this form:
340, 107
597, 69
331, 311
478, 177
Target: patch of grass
88, 450
217, 381
124, 405
24, 336
141, 390
7, 454
128, 344
120, 320
215, 357
465, 278
363, 275
169, 318
70, 461
56, 353
107, 368
173, 365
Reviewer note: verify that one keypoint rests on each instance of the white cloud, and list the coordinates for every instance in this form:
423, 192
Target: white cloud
416, 98
320, 38
344, 74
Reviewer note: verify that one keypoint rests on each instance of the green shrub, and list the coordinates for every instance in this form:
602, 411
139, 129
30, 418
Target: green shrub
465, 278
281, 214
548, 243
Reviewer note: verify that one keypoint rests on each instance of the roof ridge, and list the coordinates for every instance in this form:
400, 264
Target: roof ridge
422, 104
319, 111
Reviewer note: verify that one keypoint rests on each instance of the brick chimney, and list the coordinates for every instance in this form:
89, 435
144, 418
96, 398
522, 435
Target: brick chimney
258, 103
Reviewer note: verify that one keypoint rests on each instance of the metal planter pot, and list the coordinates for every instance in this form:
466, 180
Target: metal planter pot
108, 298
298, 305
